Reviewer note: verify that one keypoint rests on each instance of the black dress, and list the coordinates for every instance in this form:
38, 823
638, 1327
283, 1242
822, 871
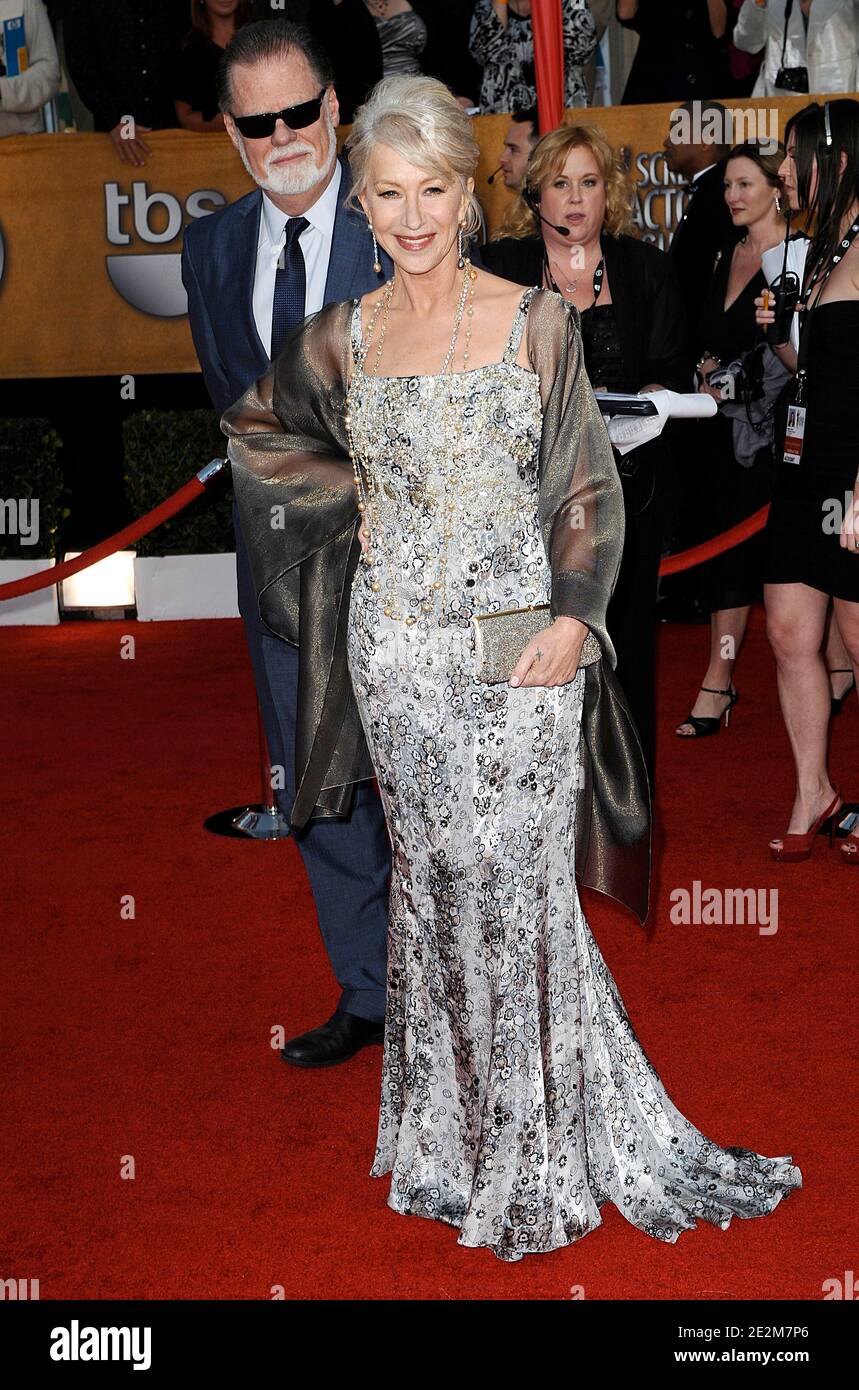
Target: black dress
733, 579
802, 537
630, 610
637, 339
195, 72
677, 59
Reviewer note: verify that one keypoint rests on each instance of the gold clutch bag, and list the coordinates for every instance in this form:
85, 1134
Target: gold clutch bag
499, 640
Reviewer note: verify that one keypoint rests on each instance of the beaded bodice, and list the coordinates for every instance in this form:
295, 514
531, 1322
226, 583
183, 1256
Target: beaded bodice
450, 466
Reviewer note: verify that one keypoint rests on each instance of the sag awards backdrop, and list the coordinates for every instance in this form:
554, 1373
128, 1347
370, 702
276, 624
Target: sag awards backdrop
90, 284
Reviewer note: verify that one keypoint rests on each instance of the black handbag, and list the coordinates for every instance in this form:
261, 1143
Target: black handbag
790, 79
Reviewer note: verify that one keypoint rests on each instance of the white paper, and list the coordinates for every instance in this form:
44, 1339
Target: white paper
628, 432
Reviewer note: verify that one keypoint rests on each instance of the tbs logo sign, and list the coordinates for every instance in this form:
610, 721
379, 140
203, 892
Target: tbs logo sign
151, 283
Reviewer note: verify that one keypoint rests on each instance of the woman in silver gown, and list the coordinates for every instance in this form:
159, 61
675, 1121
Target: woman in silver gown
516, 1099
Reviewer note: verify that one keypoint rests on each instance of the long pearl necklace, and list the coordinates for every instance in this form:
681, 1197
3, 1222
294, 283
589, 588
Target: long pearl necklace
467, 291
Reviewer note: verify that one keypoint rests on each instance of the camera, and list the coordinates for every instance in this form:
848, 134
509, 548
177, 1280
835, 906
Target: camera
792, 79
786, 289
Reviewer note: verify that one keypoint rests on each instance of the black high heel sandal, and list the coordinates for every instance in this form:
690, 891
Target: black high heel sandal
845, 822
706, 726
838, 700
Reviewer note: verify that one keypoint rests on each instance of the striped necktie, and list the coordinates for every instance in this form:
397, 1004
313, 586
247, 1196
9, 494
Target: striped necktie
290, 285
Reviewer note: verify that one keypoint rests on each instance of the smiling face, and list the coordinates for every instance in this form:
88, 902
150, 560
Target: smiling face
748, 193
415, 213
287, 162
575, 197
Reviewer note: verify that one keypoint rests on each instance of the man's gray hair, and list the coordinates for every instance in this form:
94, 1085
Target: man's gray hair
267, 40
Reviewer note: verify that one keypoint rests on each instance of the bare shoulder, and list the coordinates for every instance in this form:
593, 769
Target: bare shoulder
497, 294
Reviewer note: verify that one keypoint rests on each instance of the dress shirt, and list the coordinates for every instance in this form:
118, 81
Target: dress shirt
315, 243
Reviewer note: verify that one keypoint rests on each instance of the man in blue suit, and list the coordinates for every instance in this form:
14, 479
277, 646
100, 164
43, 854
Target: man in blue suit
252, 271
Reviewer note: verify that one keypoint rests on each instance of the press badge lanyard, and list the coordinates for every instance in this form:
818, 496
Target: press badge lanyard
795, 433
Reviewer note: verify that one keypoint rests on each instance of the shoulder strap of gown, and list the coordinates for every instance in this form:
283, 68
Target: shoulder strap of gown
516, 331
355, 333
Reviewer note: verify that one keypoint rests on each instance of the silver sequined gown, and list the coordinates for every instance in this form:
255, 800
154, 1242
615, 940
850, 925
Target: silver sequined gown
516, 1098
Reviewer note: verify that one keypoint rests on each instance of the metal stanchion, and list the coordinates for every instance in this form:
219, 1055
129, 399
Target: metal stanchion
261, 821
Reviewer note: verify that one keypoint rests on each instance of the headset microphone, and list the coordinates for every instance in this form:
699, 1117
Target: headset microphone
493, 177
534, 204
562, 231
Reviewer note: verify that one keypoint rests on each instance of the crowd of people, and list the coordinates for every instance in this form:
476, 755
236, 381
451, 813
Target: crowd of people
156, 60
430, 439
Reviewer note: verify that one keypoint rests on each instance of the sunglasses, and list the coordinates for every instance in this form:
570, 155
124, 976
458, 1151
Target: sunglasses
296, 117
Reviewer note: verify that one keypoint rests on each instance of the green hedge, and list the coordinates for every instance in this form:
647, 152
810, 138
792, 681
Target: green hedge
30, 468
163, 450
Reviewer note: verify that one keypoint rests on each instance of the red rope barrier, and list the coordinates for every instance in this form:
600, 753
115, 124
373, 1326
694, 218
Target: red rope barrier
16, 588
672, 564
687, 559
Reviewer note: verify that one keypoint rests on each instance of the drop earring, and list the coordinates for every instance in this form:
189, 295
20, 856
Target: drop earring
377, 264
461, 261
777, 203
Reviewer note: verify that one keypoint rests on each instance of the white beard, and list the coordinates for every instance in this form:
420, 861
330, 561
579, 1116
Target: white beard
301, 175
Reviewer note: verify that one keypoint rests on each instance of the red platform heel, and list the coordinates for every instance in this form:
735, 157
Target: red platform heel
795, 848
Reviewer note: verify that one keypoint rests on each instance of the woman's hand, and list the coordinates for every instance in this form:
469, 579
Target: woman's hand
127, 142
709, 365
850, 527
552, 657
763, 318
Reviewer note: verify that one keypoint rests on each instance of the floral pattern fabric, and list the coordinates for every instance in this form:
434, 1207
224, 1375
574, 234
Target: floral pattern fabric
506, 55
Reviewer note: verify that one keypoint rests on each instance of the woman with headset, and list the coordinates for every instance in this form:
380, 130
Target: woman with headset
570, 231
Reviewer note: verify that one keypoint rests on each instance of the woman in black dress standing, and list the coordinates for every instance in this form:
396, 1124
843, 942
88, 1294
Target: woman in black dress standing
682, 51
813, 530
738, 486
569, 232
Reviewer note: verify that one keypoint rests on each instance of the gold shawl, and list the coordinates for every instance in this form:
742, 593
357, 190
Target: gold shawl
294, 485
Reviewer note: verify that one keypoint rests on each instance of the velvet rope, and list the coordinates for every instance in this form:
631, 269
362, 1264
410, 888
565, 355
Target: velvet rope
16, 588
672, 564
687, 559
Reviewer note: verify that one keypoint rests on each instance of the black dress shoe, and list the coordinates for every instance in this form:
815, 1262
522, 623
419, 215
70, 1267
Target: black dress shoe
335, 1041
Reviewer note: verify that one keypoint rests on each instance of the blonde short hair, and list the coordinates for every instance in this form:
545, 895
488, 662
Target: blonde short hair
548, 158
420, 119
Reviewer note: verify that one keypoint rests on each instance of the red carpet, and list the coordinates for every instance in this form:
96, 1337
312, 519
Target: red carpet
150, 1037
